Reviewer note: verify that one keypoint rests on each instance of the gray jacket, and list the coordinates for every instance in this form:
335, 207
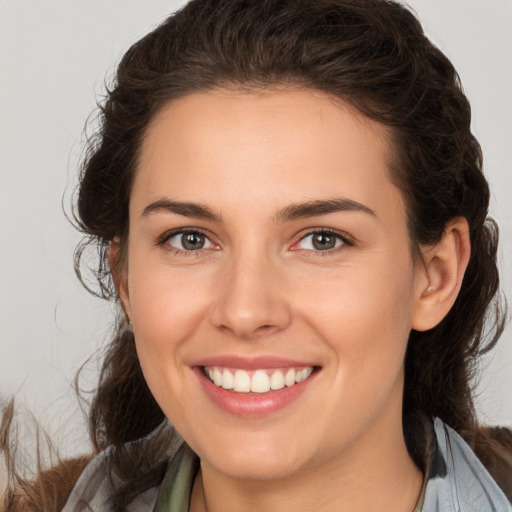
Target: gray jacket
457, 482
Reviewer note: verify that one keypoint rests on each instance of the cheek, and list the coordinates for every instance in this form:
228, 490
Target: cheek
363, 313
164, 299
166, 308
162, 321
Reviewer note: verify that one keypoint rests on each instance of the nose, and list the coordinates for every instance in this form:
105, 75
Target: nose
251, 302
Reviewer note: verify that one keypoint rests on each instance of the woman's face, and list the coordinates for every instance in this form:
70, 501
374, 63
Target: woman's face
267, 245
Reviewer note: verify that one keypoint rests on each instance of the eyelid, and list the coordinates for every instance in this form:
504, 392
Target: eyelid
347, 240
163, 239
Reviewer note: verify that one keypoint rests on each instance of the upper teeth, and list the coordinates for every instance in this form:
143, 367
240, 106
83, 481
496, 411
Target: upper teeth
261, 381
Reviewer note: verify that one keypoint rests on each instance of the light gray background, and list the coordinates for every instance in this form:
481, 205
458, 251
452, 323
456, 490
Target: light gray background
54, 55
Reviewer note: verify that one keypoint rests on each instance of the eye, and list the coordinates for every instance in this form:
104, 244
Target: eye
189, 241
321, 241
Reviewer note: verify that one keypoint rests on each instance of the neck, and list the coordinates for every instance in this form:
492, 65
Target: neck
377, 475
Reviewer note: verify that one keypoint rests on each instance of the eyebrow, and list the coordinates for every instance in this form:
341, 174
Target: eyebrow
196, 210
321, 207
292, 212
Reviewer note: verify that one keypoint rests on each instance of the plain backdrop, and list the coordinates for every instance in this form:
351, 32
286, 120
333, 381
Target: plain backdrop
54, 57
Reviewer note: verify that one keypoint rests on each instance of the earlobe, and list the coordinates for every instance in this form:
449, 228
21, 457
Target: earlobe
117, 267
445, 264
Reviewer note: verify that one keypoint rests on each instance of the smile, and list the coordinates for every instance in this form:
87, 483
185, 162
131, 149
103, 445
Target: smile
256, 381
255, 387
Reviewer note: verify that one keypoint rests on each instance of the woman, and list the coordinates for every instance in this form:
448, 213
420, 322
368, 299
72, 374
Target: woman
290, 210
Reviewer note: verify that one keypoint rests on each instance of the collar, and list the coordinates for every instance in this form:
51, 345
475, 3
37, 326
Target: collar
457, 481
178, 481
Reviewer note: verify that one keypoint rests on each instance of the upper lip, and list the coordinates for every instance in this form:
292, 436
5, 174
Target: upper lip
252, 363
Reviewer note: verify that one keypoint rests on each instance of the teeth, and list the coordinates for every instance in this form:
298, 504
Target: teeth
217, 377
261, 381
228, 381
303, 374
242, 383
289, 378
277, 380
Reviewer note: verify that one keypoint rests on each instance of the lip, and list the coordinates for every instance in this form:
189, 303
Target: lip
248, 404
252, 363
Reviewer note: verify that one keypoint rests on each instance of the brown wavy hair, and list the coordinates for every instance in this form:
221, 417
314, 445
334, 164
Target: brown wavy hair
372, 54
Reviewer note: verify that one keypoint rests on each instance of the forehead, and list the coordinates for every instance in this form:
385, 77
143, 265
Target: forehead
206, 146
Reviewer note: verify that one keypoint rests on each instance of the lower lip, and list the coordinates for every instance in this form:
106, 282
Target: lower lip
252, 404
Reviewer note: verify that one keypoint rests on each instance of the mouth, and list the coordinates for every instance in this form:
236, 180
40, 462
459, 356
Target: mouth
254, 388
259, 381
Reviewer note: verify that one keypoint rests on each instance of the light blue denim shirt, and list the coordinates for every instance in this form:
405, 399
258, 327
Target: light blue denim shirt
457, 482
460, 482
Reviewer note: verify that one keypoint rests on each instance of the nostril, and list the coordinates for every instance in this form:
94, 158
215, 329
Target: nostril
265, 328
250, 315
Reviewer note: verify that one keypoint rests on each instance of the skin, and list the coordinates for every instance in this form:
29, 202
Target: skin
258, 287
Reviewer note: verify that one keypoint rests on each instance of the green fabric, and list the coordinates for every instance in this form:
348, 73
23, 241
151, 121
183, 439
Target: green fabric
419, 505
176, 488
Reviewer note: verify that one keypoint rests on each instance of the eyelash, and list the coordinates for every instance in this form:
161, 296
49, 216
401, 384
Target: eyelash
163, 241
345, 240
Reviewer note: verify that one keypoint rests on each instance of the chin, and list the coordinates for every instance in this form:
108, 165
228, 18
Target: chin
247, 467
251, 460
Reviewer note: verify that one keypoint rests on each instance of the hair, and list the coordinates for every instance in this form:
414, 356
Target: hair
371, 54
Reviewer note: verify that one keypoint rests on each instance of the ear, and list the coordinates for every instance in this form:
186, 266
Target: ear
118, 268
439, 285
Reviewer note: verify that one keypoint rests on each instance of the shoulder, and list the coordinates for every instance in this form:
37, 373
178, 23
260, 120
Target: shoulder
459, 480
94, 490
126, 476
496, 455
